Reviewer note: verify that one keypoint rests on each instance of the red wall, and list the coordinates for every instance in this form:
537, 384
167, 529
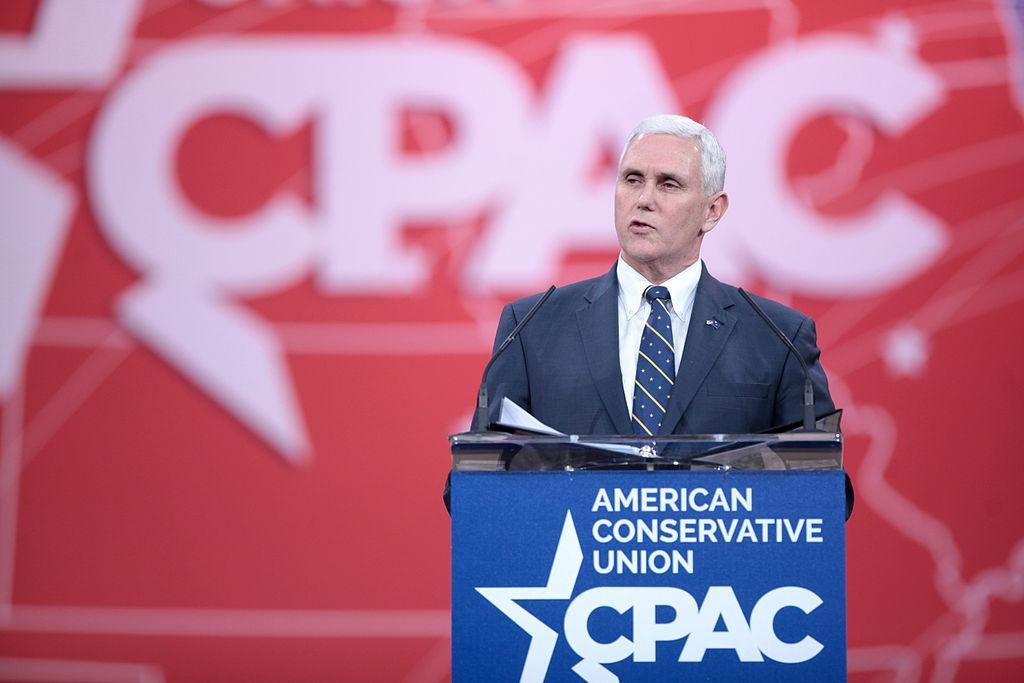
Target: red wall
253, 254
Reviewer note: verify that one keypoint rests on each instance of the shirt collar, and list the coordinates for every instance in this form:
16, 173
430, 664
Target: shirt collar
632, 284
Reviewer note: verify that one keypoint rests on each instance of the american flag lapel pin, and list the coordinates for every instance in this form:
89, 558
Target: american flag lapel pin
713, 322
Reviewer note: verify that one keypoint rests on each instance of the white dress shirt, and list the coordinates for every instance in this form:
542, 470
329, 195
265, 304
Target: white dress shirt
634, 310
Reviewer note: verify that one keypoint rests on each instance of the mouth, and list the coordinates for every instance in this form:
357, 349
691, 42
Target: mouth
640, 227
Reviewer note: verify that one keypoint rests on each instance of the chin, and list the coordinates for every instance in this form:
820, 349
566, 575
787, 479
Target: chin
641, 255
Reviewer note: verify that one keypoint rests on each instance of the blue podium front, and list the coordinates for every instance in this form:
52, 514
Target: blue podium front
627, 575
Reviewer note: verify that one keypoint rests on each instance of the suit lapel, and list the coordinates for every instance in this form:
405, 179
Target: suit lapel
599, 328
704, 343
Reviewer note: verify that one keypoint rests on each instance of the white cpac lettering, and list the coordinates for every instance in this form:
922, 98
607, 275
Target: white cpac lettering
354, 228
762, 624
720, 603
751, 642
769, 229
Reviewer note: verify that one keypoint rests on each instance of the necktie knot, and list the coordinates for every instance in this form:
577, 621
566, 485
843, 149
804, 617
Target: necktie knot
657, 292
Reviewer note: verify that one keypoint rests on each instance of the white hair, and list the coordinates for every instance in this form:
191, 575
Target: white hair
712, 156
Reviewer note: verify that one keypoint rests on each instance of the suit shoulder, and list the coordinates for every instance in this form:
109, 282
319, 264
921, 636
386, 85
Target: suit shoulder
777, 310
784, 316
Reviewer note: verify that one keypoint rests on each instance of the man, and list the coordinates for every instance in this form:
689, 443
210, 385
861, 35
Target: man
657, 345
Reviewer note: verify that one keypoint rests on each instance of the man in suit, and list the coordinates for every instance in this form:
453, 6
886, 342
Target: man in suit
657, 345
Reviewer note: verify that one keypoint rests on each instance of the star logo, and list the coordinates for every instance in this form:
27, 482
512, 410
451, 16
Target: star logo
565, 567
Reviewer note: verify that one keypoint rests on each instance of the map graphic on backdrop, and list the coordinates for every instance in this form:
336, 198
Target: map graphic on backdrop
253, 253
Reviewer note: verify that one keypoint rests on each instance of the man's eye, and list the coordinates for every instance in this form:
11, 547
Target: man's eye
670, 185
632, 180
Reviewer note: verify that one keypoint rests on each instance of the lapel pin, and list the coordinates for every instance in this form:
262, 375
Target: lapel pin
713, 322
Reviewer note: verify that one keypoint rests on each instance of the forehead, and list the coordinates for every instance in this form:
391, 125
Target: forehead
662, 152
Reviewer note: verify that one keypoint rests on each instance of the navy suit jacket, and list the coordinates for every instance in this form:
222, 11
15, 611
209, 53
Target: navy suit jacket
734, 377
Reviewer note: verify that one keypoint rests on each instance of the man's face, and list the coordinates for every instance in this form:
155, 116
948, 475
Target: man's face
661, 213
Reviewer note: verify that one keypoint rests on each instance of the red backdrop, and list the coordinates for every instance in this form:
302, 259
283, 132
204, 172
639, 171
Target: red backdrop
253, 254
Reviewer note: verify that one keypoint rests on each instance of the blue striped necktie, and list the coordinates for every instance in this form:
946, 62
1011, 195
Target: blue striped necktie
655, 366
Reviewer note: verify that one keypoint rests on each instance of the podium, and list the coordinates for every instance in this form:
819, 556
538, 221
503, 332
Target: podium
602, 559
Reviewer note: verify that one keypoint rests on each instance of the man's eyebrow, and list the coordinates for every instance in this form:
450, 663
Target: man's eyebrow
662, 176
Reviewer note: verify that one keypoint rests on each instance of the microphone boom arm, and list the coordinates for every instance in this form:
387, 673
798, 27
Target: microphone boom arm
808, 405
481, 399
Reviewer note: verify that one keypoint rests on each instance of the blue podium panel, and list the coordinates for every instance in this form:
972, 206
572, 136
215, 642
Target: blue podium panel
648, 576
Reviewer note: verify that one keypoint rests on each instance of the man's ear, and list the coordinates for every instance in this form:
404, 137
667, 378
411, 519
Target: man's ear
717, 207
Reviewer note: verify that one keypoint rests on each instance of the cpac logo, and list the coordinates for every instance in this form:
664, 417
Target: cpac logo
752, 641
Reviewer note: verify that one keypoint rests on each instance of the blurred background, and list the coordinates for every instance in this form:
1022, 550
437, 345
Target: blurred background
252, 254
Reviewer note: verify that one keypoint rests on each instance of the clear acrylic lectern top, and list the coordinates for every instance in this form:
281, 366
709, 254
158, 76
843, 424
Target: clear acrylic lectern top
501, 451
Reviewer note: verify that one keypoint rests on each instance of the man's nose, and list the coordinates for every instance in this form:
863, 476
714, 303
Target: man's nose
645, 199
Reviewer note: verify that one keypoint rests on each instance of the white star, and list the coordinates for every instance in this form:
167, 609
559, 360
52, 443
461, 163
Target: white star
905, 350
898, 34
565, 567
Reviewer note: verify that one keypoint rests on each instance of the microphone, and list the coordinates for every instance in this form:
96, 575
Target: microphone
481, 398
808, 405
